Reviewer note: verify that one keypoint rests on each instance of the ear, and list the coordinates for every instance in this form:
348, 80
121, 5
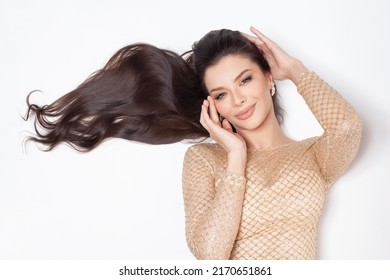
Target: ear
270, 79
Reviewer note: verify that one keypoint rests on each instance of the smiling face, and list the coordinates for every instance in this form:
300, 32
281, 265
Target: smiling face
241, 91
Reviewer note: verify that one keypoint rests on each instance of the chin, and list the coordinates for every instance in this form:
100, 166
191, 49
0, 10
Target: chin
248, 126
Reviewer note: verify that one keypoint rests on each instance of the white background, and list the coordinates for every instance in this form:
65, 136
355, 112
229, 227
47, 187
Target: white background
124, 200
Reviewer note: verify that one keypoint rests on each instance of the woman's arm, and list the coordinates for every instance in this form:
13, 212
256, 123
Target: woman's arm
338, 145
213, 205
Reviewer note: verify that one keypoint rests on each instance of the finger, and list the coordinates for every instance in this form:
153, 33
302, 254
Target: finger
255, 40
205, 120
248, 36
260, 35
203, 116
226, 125
213, 110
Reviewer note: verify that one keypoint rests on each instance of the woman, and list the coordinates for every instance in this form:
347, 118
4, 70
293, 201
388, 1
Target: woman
255, 193
258, 194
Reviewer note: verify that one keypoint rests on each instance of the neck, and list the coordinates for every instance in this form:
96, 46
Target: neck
269, 134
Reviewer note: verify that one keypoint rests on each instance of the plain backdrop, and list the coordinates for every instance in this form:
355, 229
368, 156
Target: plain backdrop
124, 200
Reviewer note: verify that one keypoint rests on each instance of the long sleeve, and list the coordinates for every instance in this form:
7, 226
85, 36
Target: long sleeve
213, 205
339, 143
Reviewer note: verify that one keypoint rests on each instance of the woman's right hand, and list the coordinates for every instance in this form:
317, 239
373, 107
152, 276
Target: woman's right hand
222, 133
283, 66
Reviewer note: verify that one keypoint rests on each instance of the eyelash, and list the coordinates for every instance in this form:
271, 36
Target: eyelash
243, 82
246, 80
220, 95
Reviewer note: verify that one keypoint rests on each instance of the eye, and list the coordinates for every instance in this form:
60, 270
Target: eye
246, 80
219, 95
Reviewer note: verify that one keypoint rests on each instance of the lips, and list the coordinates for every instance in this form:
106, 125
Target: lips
246, 113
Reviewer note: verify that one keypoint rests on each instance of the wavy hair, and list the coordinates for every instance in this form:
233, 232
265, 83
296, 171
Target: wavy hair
143, 93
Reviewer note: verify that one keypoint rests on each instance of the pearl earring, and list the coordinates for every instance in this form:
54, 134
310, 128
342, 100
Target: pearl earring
273, 90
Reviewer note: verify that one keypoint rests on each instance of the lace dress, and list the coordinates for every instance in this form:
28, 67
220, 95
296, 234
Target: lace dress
273, 211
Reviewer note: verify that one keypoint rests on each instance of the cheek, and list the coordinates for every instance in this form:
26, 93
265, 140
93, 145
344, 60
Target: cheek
262, 89
222, 107
260, 94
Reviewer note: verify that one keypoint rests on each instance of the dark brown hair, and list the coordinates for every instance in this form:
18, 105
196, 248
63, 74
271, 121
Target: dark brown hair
143, 93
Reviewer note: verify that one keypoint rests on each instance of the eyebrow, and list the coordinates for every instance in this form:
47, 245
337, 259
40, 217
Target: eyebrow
235, 80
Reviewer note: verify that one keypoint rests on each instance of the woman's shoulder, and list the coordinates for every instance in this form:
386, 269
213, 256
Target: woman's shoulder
208, 150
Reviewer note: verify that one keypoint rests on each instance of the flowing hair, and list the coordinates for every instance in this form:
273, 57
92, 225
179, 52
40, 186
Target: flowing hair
143, 93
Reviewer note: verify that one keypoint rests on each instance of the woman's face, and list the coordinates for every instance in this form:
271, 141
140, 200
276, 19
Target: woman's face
241, 91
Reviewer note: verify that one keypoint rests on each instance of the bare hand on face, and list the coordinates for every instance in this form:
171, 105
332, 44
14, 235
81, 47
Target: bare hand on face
223, 134
283, 66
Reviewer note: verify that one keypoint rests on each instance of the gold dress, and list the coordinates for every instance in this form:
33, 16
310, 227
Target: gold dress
273, 212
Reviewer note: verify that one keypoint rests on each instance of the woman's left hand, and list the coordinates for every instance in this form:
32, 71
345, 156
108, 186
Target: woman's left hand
283, 66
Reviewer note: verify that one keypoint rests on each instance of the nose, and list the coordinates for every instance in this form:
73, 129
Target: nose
239, 98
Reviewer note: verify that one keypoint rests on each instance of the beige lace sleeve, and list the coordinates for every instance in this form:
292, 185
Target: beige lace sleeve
339, 143
213, 205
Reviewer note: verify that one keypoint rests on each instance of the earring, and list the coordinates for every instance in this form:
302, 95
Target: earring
273, 90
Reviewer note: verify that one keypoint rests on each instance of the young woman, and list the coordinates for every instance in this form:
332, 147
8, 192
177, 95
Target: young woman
255, 193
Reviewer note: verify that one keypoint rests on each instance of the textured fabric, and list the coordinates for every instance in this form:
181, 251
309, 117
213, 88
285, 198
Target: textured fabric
273, 212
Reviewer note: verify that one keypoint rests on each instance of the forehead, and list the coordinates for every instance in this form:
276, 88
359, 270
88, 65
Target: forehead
227, 69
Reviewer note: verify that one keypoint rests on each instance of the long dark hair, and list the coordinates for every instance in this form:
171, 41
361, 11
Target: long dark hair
143, 93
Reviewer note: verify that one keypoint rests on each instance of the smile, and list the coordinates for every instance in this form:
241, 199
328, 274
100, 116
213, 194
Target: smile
246, 113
